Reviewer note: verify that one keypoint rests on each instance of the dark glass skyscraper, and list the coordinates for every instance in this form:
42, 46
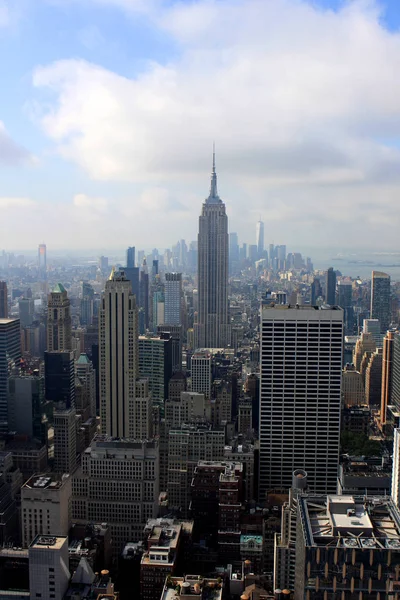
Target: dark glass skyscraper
60, 378
330, 296
212, 329
380, 299
10, 357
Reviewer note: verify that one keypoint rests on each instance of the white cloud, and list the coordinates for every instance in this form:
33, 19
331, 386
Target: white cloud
303, 103
15, 202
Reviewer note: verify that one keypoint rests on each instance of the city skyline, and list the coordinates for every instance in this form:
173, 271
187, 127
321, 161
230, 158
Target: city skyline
127, 128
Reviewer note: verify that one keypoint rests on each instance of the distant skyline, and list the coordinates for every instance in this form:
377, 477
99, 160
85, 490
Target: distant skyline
109, 109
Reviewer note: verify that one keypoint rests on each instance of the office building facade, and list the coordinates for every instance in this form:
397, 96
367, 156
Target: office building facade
330, 285
118, 484
173, 299
300, 395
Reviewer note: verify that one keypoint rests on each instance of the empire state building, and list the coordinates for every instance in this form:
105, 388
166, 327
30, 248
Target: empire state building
212, 326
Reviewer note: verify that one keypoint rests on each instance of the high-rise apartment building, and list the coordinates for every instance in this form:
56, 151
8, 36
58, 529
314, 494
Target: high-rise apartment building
118, 364
213, 257
118, 484
300, 395
260, 238
3, 300
10, 357
330, 284
380, 299
201, 372
42, 261
173, 299
45, 506
58, 320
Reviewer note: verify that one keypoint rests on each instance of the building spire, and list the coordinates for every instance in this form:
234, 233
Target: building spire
213, 197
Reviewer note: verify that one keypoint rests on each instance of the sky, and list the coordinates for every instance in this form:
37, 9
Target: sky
109, 110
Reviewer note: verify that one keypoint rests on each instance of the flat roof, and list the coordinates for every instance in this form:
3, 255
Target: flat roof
350, 521
46, 542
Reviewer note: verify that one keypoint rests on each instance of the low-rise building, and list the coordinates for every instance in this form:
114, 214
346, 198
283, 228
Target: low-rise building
184, 588
163, 539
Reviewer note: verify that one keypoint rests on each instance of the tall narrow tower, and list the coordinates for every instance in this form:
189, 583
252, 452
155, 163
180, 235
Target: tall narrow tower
42, 261
260, 238
213, 255
58, 320
380, 299
118, 337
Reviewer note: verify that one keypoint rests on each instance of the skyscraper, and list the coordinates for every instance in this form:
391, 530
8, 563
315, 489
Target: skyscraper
58, 320
330, 294
316, 291
42, 261
300, 395
3, 300
173, 298
387, 367
380, 299
233, 248
10, 357
130, 257
260, 238
213, 256
118, 365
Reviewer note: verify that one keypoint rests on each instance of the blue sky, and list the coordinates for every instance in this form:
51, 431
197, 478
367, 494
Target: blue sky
108, 110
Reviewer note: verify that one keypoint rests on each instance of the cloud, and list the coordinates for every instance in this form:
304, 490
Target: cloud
303, 103
14, 202
11, 153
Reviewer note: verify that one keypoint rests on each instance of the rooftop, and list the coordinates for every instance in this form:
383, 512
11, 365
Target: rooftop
46, 481
350, 521
191, 587
45, 542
